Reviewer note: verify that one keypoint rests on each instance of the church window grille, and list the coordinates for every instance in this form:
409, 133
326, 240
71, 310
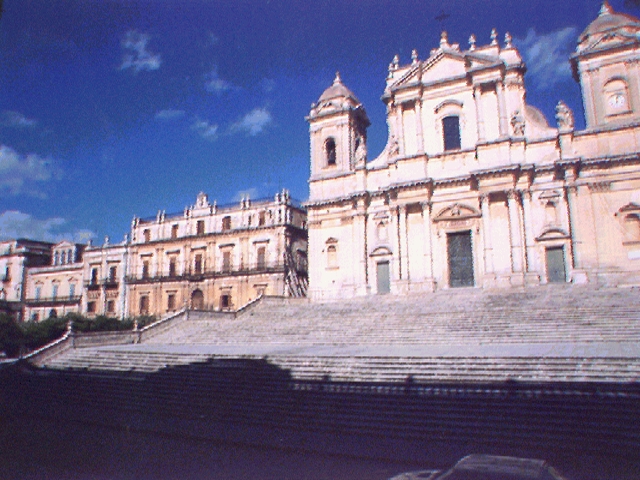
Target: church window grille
330, 151
451, 132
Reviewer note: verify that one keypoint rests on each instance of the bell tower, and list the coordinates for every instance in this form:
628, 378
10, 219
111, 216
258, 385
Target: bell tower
607, 65
338, 132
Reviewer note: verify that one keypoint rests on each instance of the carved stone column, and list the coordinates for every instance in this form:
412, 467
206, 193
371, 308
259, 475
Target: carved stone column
486, 234
419, 128
502, 110
515, 231
428, 243
403, 242
477, 96
400, 129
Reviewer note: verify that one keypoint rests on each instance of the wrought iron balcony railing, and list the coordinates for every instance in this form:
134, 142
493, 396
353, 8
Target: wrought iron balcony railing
58, 300
193, 275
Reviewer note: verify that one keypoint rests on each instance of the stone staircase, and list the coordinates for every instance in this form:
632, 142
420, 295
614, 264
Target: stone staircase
547, 334
467, 317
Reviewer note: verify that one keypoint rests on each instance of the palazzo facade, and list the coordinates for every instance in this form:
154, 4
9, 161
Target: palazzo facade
474, 188
214, 257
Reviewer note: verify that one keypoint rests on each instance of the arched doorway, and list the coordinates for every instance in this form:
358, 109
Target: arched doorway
197, 300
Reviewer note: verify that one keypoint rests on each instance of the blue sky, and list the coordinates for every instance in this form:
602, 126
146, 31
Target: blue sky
116, 108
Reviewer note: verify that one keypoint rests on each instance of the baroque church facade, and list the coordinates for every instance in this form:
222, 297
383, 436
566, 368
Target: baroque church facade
474, 188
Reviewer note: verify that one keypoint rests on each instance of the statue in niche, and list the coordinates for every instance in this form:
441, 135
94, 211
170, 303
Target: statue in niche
564, 116
394, 147
517, 123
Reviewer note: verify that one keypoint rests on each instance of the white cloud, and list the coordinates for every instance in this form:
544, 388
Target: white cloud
10, 118
208, 131
547, 56
253, 122
169, 114
138, 57
215, 84
19, 174
16, 224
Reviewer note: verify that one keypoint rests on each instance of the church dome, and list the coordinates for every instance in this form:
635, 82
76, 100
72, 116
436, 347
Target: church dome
609, 20
337, 90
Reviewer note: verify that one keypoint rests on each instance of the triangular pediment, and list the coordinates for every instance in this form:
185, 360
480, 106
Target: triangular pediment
63, 245
443, 66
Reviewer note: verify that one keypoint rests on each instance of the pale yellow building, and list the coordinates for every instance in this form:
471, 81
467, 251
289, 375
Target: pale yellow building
474, 188
56, 289
214, 257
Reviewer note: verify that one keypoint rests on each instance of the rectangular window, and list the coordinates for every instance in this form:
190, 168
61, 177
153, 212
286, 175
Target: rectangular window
198, 263
174, 231
54, 290
261, 263
145, 269
38, 292
91, 307
111, 306
200, 227
451, 132
94, 276
171, 302
262, 219
225, 301
72, 289
147, 235
113, 272
144, 305
226, 261
226, 223
172, 267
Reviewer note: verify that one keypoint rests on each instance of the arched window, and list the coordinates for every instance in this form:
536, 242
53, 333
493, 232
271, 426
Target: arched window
330, 151
64, 258
56, 258
147, 235
451, 132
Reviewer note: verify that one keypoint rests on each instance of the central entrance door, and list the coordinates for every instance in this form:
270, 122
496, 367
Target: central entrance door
460, 255
556, 268
382, 276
